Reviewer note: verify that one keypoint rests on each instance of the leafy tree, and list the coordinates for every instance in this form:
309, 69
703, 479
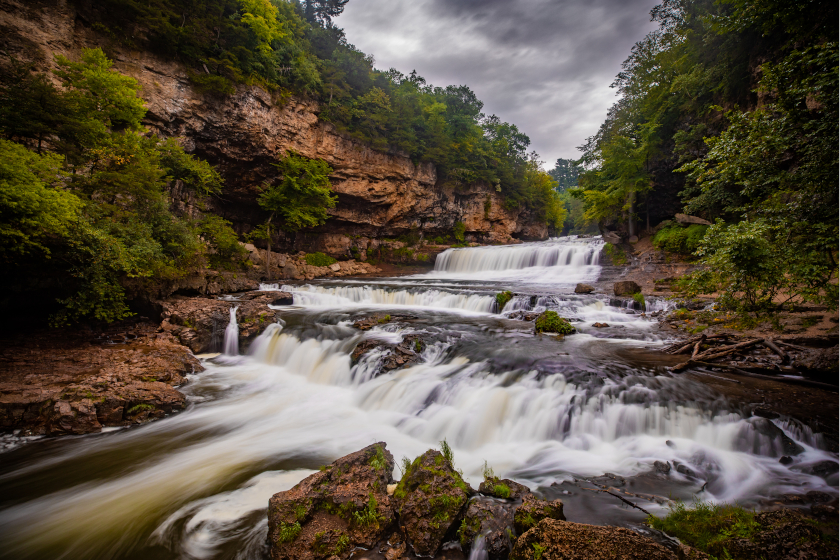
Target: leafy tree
566, 173
322, 11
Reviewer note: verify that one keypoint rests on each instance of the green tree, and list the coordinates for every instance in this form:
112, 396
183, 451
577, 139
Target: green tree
566, 173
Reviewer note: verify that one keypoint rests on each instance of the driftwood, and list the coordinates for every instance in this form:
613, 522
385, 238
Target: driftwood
626, 501
794, 346
779, 352
697, 348
726, 350
684, 345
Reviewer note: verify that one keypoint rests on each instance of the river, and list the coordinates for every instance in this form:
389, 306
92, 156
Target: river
535, 408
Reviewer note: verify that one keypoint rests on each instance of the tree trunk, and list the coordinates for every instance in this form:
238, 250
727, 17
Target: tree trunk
268, 252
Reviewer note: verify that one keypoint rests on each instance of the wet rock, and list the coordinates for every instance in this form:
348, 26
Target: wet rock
686, 220
626, 288
784, 535
429, 500
493, 520
368, 323
563, 540
772, 440
533, 510
786, 460
609, 479
397, 356
819, 361
600, 325
682, 469
331, 512
662, 468
503, 488
822, 469
584, 289
763, 412
284, 299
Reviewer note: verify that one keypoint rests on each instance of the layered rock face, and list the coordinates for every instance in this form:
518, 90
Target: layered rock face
380, 195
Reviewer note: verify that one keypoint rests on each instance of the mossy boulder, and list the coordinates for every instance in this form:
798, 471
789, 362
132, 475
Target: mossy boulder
533, 510
552, 539
502, 298
491, 520
626, 288
551, 322
503, 488
344, 506
429, 499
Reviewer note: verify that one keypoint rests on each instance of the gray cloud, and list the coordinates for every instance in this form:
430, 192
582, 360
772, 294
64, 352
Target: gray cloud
544, 65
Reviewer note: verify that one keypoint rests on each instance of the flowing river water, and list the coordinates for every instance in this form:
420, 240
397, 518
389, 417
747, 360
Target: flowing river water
537, 409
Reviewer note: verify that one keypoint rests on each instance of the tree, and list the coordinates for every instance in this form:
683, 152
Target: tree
322, 11
566, 173
300, 198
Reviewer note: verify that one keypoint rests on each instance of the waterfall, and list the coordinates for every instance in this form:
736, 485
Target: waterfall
232, 334
563, 259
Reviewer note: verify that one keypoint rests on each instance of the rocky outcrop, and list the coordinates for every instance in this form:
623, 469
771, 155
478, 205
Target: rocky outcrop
783, 535
381, 194
626, 288
429, 500
295, 267
584, 289
332, 512
489, 520
199, 323
88, 380
533, 510
552, 539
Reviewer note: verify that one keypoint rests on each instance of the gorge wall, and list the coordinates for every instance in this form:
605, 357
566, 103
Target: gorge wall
381, 195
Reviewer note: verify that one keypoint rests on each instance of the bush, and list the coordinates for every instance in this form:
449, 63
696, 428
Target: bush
550, 321
707, 526
458, 231
219, 234
502, 298
319, 259
640, 299
678, 239
615, 254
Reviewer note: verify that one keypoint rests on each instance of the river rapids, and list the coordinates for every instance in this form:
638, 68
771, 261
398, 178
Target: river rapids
539, 410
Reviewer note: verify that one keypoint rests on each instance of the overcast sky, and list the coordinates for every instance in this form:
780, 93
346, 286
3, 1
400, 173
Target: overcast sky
543, 65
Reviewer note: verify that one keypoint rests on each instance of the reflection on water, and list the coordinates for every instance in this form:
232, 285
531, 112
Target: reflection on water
195, 485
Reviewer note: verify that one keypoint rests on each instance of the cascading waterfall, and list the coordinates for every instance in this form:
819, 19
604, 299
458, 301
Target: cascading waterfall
537, 409
562, 259
231, 346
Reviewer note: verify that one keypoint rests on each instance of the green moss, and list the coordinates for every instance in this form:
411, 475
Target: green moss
288, 532
502, 298
319, 259
418, 346
369, 516
707, 526
140, 408
501, 490
341, 545
550, 321
538, 551
640, 299
385, 319
468, 528
525, 519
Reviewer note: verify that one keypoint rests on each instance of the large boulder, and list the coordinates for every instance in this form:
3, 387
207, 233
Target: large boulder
330, 513
688, 220
429, 500
783, 535
503, 488
552, 539
533, 510
584, 289
491, 520
626, 288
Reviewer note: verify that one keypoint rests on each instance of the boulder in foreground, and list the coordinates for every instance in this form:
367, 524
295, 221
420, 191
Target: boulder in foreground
626, 288
584, 289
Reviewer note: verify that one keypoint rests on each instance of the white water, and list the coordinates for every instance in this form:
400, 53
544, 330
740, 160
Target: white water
231, 345
195, 485
563, 260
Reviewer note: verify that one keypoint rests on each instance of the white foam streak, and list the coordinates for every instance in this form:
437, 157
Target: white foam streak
231, 345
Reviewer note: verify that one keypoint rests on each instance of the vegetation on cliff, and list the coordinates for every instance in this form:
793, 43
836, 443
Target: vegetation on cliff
294, 48
730, 109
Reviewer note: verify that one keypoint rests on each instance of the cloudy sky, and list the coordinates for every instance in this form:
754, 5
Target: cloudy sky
544, 65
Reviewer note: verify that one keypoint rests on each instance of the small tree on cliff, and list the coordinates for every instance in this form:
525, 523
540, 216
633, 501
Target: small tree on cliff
299, 199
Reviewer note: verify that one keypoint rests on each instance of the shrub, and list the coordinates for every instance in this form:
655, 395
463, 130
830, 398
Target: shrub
219, 234
501, 490
550, 321
707, 526
447, 453
640, 299
615, 254
319, 259
678, 239
458, 231
502, 298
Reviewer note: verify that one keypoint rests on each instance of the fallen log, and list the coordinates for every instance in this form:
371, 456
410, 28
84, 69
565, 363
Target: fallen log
726, 350
779, 352
733, 369
697, 348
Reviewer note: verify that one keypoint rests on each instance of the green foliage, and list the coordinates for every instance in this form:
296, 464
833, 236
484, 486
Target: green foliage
458, 231
221, 238
385, 319
448, 455
303, 195
678, 239
616, 254
538, 551
501, 490
377, 460
341, 545
319, 259
566, 172
502, 298
754, 267
551, 322
288, 532
406, 466
369, 516
707, 526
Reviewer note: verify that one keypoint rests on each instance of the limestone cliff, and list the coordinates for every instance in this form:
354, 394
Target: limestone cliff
381, 194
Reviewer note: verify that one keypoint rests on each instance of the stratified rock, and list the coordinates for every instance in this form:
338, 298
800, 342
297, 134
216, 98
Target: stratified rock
626, 288
533, 510
330, 513
552, 539
584, 289
429, 499
686, 220
493, 521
